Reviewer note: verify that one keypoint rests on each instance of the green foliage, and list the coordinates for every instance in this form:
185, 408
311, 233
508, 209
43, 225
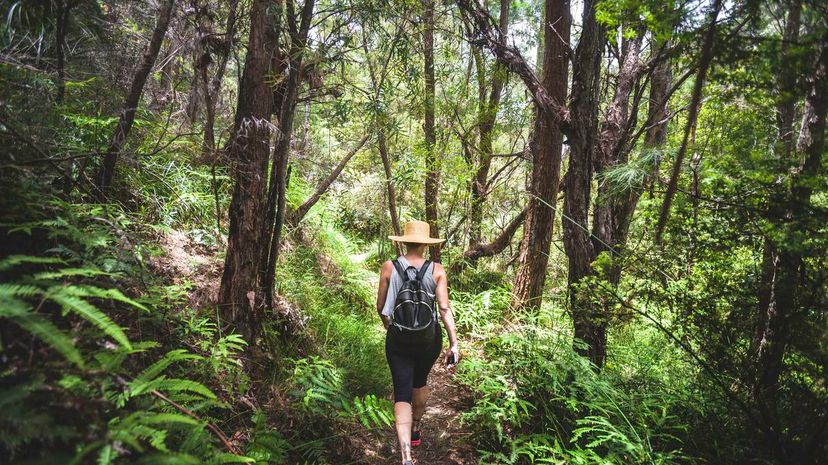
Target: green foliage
325, 283
538, 401
22, 304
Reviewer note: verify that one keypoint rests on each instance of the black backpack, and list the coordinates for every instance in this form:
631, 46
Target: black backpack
415, 318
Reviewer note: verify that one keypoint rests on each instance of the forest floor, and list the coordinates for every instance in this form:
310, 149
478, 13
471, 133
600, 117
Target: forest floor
444, 438
442, 434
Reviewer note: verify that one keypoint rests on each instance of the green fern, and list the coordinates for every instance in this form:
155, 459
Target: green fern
70, 303
20, 313
22, 302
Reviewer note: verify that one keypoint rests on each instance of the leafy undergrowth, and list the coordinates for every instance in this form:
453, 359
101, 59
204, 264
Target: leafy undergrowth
538, 401
106, 361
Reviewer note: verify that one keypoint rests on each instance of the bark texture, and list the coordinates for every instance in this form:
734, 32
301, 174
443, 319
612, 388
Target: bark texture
432, 177
240, 297
589, 325
546, 149
276, 211
103, 180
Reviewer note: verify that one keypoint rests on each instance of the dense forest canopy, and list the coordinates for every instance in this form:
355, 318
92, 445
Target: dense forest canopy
197, 194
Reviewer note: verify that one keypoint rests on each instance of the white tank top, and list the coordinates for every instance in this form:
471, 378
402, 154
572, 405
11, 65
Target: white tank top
396, 283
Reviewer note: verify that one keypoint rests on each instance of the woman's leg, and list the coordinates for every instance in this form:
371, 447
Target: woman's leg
418, 405
402, 375
422, 368
402, 414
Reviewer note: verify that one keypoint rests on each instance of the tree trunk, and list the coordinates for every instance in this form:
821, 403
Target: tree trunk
590, 327
784, 311
486, 118
382, 146
432, 179
692, 114
107, 169
610, 210
323, 186
785, 114
277, 200
546, 162
656, 135
63, 11
240, 296
211, 90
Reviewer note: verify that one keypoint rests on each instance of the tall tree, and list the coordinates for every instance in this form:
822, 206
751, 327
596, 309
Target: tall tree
432, 176
789, 212
240, 295
705, 59
487, 107
546, 146
127, 117
298, 28
381, 121
578, 181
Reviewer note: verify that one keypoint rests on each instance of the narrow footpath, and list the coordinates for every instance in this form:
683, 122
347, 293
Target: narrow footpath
443, 436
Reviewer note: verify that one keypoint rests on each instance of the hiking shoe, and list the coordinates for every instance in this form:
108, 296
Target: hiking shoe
415, 439
410, 462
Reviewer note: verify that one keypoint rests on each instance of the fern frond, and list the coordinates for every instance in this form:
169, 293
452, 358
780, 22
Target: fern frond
12, 290
113, 294
20, 313
176, 384
72, 272
13, 260
168, 418
171, 357
63, 296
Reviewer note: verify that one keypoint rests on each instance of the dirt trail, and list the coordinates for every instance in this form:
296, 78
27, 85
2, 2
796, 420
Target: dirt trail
443, 437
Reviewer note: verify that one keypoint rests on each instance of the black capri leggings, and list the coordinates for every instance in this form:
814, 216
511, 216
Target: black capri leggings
410, 365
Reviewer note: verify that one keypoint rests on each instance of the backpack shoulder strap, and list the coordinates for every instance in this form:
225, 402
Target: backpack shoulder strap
400, 271
423, 270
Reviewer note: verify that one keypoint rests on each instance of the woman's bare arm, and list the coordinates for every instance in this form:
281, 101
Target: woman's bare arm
445, 310
382, 291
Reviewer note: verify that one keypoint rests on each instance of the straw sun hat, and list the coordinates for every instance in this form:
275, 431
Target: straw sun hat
417, 232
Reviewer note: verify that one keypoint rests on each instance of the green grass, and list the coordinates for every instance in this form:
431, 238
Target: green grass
340, 306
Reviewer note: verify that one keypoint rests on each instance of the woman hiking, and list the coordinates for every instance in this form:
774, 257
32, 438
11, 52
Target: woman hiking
409, 289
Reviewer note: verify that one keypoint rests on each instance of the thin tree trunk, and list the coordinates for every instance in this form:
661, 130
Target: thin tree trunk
589, 328
692, 114
546, 146
382, 146
323, 186
487, 116
107, 169
281, 153
212, 89
240, 296
432, 178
